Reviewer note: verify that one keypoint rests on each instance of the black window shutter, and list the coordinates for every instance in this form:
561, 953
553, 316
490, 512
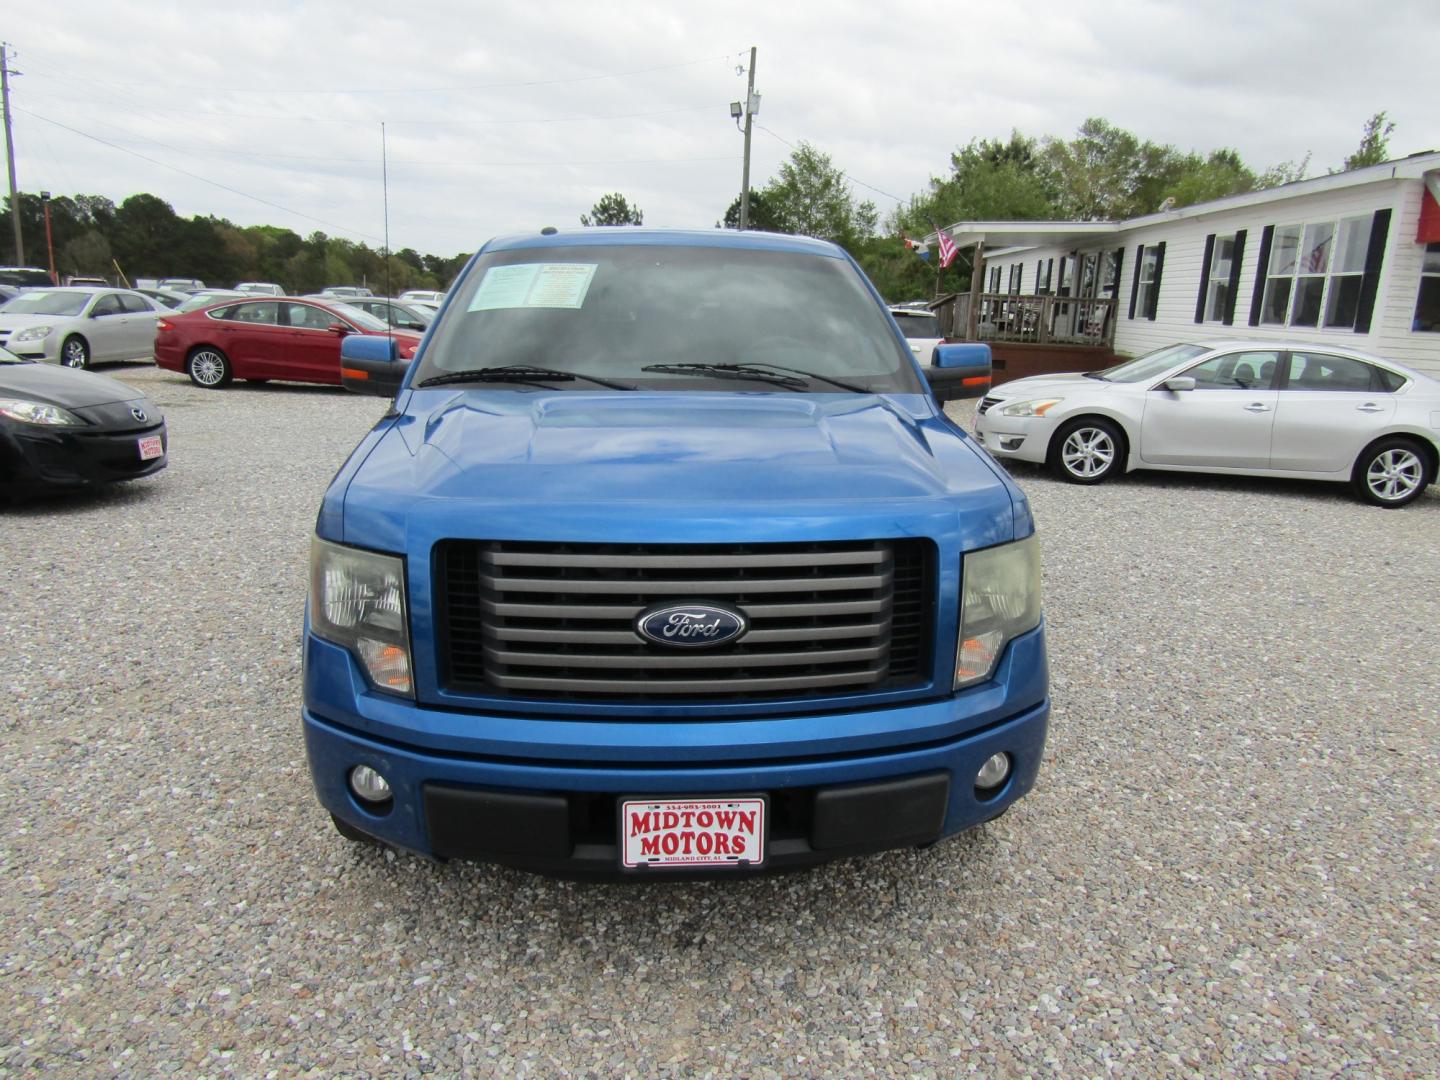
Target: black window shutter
1119, 265
1262, 268
1204, 278
1154, 298
1061, 289
1135, 285
1039, 266
1370, 284
1050, 276
1237, 256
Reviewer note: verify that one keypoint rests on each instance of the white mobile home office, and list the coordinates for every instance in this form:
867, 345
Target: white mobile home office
1352, 258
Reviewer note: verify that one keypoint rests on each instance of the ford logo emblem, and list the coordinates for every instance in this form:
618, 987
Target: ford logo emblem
690, 626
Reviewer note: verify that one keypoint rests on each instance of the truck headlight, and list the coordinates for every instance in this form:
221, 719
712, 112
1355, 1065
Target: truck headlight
1039, 407
1000, 589
32, 333
357, 599
38, 412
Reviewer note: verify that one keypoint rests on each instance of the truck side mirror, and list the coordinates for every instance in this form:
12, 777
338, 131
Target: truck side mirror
371, 364
960, 371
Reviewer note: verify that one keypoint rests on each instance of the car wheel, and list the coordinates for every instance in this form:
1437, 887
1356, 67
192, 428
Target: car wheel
1391, 473
351, 833
75, 352
209, 367
1086, 451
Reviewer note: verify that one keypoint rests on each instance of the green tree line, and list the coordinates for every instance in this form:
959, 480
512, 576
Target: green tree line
1102, 173
147, 239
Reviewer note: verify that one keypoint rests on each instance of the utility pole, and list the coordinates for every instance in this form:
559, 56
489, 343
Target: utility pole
750, 111
10, 150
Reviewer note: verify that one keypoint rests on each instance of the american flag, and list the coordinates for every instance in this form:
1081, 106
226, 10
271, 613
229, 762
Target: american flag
948, 250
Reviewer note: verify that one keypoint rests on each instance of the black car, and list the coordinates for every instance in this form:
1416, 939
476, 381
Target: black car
64, 428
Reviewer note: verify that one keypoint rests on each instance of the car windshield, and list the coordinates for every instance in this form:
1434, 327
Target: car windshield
42, 302
920, 327
614, 311
199, 300
1152, 364
362, 319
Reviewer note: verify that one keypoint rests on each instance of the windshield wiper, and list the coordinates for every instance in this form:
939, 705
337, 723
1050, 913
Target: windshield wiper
524, 373
763, 371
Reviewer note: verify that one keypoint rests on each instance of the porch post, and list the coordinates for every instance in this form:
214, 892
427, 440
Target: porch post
977, 286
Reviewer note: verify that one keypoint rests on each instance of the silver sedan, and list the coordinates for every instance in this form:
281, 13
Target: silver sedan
78, 327
1249, 408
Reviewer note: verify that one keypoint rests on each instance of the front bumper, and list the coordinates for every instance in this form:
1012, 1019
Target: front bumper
860, 782
1020, 438
36, 459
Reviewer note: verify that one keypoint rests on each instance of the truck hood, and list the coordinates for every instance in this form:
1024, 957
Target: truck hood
672, 467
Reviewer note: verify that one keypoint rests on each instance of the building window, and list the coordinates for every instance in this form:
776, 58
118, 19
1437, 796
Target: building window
1315, 272
1427, 304
1145, 287
994, 279
1016, 270
1042, 276
1109, 275
1218, 291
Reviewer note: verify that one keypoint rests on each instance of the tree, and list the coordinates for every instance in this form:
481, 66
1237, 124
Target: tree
811, 197
762, 214
989, 180
1374, 143
613, 209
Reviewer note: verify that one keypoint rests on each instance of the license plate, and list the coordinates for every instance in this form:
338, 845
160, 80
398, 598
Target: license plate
150, 447
692, 832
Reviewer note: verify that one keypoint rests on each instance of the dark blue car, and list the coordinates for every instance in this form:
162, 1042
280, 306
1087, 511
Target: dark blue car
666, 561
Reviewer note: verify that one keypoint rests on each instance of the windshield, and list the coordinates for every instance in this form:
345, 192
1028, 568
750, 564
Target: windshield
24, 277
1152, 364
40, 302
362, 319
204, 299
612, 311
918, 327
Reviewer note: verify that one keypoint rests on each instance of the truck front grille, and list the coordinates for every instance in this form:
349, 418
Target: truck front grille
556, 622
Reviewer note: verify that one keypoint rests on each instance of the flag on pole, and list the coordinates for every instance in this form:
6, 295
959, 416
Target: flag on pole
948, 250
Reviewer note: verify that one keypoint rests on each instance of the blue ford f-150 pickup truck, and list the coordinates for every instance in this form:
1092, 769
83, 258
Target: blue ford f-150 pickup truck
666, 560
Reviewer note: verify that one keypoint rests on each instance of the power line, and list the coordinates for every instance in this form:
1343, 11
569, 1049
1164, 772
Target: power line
852, 179
371, 90
195, 176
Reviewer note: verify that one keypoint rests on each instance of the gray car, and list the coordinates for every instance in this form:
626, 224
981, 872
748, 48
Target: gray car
1248, 408
78, 327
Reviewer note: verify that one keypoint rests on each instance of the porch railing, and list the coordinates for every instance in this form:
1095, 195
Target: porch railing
1046, 320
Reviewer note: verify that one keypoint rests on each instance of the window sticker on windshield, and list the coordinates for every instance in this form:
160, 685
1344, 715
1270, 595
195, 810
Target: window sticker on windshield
534, 285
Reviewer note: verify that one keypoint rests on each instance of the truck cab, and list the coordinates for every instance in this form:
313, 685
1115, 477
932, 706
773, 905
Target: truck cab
666, 560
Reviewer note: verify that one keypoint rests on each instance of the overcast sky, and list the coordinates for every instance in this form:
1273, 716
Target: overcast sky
508, 117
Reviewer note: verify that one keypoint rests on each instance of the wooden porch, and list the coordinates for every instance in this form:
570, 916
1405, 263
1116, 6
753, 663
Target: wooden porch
1045, 320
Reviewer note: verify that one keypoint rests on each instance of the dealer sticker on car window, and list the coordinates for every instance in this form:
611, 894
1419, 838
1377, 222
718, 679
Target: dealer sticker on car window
534, 285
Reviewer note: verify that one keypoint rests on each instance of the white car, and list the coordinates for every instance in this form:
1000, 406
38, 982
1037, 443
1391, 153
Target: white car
429, 296
78, 327
922, 331
260, 288
1248, 408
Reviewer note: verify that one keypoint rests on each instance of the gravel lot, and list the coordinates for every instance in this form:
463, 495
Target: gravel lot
1229, 863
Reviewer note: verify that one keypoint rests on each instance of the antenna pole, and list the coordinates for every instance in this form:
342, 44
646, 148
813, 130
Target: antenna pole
10, 151
385, 189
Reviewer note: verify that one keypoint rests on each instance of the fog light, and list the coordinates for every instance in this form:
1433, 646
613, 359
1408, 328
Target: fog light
1011, 442
993, 773
370, 786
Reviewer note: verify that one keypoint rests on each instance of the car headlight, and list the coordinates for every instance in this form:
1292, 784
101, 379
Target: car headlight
1001, 600
1039, 407
357, 599
32, 333
38, 412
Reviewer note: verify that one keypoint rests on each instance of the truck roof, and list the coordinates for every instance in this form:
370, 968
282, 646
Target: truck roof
629, 234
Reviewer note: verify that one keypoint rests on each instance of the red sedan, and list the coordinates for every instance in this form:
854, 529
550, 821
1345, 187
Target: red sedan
258, 340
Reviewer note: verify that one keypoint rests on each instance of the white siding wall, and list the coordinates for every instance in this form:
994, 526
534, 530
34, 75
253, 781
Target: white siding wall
1390, 333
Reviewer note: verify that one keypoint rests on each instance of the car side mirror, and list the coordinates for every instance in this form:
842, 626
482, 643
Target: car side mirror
338, 328
1180, 382
371, 364
960, 371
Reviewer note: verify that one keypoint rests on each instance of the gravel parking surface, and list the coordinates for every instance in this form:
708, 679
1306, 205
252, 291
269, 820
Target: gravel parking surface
1229, 863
